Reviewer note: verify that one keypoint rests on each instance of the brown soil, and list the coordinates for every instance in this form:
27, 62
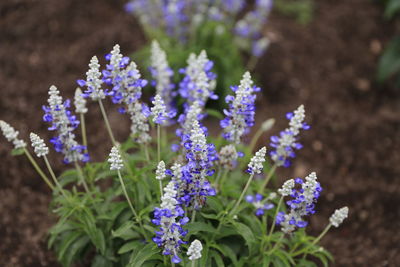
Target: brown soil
329, 66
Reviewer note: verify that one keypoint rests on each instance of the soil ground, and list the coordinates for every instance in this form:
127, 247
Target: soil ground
329, 66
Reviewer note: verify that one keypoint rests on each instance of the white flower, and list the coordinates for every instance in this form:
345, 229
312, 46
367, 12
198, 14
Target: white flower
256, 163
160, 172
161, 72
140, 127
39, 146
338, 216
61, 122
296, 122
267, 125
158, 111
93, 80
241, 110
228, 157
287, 187
80, 102
194, 251
115, 159
192, 115
310, 187
11, 135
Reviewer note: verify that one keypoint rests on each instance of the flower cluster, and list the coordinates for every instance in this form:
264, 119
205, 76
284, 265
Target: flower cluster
93, 81
194, 250
170, 217
199, 81
38, 145
162, 75
11, 135
124, 80
80, 102
64, 122
200, 155
240, 115
180, 18
286, 144
160, 171
256, 163
338, 216
159, 111
115, 159
302, 202
260, 203
228, 157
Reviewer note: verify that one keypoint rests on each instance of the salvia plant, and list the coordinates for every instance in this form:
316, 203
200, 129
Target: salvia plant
188, 26
173, 195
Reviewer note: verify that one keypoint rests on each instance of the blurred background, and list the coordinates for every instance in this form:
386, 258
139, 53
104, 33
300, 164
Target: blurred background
323, 54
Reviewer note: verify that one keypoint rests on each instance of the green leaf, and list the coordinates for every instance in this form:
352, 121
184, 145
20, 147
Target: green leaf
101, 261
214, 113
17, 151
227, 252
195, 227
75, 248
139, 257
244, 231
66, 242
215, 204
131, 245
392, 8
389, 63
217, 258
209, 216
125, 231
284, 257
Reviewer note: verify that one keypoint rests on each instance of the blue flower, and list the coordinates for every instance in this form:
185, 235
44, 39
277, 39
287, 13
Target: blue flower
64, 123
199, 81
170, 218
194, 187
259, 203
240, 115
302, 203
286, 144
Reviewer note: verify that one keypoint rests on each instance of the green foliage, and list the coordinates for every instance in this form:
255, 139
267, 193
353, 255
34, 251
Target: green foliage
392, 8
389, 63
301, 10
100, 228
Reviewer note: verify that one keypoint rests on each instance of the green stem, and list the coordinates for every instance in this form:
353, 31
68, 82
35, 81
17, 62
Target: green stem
80, 174
276, 244
322, 234
255, 138
54, 176
215, 184
146, 152
158, 143
193, 215
103, 112
267, 179
276, 213
38, 169
193, 263
305, 250
130, 204
224, 175
83, 128
242, 195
